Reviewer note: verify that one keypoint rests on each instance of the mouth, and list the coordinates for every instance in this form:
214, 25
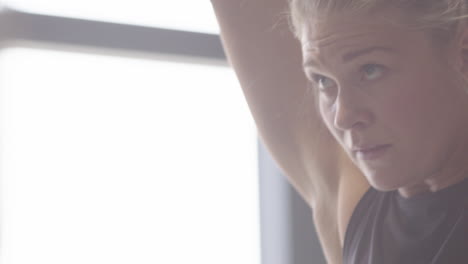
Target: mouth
371, 152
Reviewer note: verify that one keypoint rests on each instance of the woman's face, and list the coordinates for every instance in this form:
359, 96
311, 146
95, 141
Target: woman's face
390, 98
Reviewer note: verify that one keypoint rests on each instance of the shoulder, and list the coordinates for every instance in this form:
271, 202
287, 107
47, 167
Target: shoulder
352, 191
333, 209
365, 226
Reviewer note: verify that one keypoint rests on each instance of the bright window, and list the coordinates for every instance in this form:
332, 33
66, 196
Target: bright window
118, 160
190, 15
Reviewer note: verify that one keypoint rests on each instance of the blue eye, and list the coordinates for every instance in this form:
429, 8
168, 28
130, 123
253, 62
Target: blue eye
372, 71
323, 82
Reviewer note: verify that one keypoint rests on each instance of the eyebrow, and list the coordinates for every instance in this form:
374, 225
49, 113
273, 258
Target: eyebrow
351, 55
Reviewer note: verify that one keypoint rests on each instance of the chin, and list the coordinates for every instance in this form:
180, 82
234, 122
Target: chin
383, 182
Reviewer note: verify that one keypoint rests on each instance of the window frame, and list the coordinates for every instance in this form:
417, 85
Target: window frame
287, 233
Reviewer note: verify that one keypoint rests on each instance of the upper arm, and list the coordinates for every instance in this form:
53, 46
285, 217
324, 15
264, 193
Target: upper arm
352, 187
267, 60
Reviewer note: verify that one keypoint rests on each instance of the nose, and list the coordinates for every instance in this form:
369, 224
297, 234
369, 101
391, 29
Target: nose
352, 111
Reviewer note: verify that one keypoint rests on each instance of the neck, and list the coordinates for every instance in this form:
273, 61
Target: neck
453, 171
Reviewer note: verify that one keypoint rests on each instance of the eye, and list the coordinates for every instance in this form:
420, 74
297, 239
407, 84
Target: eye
323, 83
372, 71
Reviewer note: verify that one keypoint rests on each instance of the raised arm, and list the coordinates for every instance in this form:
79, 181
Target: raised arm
267, 61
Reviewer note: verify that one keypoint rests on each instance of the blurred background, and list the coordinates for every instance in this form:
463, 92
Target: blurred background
125, 138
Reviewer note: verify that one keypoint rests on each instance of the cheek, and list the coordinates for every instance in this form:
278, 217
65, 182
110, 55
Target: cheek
414, 107
327, 114
402, 108
324, 112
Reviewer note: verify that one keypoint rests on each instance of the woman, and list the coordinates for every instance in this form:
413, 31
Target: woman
374, 135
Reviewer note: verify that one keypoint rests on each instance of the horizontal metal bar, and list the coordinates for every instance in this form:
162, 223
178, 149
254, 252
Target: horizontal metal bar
20, 26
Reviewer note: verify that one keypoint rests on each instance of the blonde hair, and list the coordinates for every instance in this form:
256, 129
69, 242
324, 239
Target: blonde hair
441, 16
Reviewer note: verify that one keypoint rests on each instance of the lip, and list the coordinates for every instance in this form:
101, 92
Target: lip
371, 152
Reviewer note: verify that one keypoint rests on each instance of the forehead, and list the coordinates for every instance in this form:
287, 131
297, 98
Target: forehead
338, 33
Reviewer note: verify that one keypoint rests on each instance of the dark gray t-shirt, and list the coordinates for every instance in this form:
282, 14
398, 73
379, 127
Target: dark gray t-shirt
430, 228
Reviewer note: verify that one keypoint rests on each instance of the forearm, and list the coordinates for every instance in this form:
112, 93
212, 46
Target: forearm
263, 53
